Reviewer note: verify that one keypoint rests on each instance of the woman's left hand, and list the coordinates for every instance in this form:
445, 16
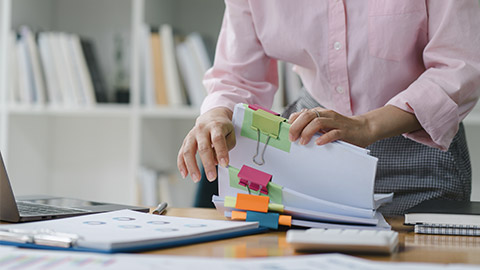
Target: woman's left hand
360, 130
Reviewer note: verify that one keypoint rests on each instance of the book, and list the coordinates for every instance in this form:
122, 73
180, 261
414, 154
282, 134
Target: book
80, 68
54, 94
34, 69
191, 74
158, 69
444, 212
121, 231
175, 93
147, 93
96, 75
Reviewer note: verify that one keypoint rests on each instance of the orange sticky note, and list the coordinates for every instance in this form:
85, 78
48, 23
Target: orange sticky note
252, 202
239, 215
285, 220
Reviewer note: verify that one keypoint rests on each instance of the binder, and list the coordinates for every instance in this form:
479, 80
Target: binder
121, 231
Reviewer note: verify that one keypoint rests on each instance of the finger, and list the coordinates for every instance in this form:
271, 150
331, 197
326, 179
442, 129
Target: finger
300, 123
206, 154
220, 145
330, 136
189, 151
295, 115
316, 125
230, 139
182, 168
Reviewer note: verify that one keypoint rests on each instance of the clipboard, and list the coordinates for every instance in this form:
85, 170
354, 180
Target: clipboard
121, 231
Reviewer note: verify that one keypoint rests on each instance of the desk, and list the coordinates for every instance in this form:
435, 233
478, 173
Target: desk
413, 247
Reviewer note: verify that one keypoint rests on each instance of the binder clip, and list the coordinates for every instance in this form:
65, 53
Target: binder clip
267, 122
254, 179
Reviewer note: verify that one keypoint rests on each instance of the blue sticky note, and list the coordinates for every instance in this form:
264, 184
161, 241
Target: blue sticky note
269, 220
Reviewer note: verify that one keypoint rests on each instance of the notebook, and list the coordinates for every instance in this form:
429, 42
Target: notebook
40, 207
121, 231
444, 212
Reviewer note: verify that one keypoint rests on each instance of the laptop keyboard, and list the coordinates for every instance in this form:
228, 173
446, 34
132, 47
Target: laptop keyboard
36, 209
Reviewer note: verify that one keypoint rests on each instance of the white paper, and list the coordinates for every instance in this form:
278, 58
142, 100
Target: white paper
12, 258
336, 172
127, 228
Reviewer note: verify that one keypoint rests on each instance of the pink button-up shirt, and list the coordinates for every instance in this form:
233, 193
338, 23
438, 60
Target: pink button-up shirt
354, 56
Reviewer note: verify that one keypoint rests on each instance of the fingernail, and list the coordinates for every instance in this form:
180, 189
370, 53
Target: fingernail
182, 172
195, 177
223, 162
290, 137
211, 176
302, 141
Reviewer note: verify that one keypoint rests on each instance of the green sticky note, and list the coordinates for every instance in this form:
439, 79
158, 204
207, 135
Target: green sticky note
280, 141
230, 201
275, 207
233, 177
275, 193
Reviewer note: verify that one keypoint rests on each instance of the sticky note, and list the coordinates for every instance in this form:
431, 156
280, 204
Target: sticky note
252, 202
285, 220
269, 220
282, 142
239, 215
275, 207
230, 201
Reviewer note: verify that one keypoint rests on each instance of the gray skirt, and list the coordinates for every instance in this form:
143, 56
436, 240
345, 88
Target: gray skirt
414, 172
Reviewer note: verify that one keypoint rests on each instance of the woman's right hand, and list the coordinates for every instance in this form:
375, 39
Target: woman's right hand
212, 137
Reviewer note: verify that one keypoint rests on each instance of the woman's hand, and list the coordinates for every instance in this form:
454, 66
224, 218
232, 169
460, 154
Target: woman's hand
361, 130
212, 137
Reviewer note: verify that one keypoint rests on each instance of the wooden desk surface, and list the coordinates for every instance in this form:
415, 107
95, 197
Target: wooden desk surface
413, 247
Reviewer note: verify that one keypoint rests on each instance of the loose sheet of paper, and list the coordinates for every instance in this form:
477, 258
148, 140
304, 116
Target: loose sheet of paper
13, 258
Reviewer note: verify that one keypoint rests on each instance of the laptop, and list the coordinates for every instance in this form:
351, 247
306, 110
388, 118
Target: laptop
33, 208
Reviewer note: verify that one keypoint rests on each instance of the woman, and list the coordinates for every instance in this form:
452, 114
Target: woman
397, 77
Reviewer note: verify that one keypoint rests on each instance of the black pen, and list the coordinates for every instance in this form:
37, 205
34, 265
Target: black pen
160, 208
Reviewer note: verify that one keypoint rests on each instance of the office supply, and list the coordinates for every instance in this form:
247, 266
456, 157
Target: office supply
469, 230
444, 212
161, 208
343, 240
34, 260
31, 208
123, 231
308, 182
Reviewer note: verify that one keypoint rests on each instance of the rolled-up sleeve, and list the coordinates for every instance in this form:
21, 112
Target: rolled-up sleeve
242, 72
449, 88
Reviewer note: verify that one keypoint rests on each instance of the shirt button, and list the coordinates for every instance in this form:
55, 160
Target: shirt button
339, 89
337, 45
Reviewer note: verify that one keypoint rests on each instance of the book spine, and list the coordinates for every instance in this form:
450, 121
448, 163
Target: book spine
468, 230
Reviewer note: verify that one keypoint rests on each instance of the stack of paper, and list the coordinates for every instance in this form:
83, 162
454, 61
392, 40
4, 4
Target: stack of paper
317, 185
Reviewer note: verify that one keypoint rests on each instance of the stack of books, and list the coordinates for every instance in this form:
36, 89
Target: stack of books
445, 217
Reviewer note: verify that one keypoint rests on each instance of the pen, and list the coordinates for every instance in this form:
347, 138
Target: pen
160, 208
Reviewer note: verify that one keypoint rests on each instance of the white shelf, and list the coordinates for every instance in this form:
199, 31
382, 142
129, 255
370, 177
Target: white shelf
112, 110
170, 112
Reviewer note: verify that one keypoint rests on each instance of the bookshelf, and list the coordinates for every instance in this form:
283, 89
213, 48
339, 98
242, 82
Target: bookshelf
96, 152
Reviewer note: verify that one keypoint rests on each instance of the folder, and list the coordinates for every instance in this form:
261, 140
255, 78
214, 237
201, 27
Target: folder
121, 231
